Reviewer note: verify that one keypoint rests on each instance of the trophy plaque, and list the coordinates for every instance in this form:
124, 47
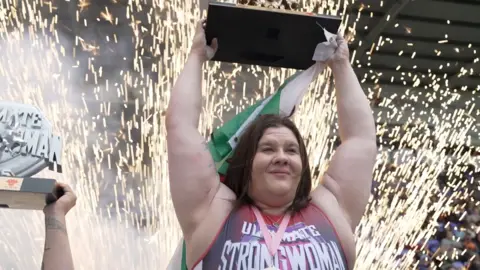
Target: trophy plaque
266, 36
27, 146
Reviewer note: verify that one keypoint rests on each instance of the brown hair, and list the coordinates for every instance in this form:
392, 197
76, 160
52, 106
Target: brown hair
239, 173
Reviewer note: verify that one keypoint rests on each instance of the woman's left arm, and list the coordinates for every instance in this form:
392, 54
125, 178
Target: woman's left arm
349, 176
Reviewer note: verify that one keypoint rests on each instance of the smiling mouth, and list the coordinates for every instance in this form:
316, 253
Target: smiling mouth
280, 173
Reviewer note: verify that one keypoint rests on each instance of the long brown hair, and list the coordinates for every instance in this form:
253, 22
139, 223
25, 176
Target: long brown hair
239, 173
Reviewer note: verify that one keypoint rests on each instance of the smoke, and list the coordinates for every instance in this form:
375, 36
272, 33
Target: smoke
87, 94
97, 243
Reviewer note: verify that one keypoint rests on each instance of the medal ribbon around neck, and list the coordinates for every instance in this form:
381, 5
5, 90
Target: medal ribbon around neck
272, 241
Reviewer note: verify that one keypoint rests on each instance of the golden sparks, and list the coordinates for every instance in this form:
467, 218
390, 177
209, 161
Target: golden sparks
106, 15
108, 104
83, 4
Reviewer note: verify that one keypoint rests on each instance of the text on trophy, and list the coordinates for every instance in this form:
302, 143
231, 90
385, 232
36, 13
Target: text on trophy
38, 141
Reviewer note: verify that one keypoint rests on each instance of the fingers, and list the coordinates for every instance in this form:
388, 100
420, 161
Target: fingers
199, 43
340, 37
341, 40
64, 190
65, 200
64, 186
214, 44
201, 25
212, 49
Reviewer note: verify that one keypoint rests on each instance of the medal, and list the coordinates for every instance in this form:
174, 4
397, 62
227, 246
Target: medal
272, 241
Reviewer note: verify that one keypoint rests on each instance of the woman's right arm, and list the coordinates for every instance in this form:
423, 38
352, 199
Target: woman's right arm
192, 173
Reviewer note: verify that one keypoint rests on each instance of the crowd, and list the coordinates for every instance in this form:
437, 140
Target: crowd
456, 243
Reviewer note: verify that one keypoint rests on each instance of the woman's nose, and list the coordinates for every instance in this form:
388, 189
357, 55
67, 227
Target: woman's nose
280, 157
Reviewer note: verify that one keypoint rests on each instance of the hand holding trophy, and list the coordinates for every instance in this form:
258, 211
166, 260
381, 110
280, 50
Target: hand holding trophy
27, 146
199, 45
65, 200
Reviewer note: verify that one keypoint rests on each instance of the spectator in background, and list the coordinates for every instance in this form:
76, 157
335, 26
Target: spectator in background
474, 215
456, 243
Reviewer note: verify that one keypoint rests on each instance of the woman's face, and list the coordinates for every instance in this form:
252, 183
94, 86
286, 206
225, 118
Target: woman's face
277, 168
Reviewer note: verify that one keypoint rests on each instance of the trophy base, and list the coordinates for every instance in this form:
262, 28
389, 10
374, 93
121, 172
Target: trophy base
266, 36
27, 193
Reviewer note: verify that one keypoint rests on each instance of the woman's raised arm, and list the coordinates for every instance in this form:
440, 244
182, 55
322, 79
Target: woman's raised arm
193, 177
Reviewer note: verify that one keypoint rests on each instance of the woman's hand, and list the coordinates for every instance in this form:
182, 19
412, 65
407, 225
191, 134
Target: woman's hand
199, 45
342, 53
64, 203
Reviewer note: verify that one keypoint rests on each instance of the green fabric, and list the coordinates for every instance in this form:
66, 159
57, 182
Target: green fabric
218, 144
184, 257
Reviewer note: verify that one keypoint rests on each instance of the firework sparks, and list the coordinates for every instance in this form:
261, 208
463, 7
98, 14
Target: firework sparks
124, 218
107, 16
83, 4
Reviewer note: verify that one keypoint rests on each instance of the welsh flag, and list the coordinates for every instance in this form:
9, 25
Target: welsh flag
283, 102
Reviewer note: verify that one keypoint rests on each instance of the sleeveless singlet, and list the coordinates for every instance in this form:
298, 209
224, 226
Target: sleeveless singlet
309, 242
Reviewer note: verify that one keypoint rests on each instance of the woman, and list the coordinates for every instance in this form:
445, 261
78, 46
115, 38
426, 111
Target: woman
268, 183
